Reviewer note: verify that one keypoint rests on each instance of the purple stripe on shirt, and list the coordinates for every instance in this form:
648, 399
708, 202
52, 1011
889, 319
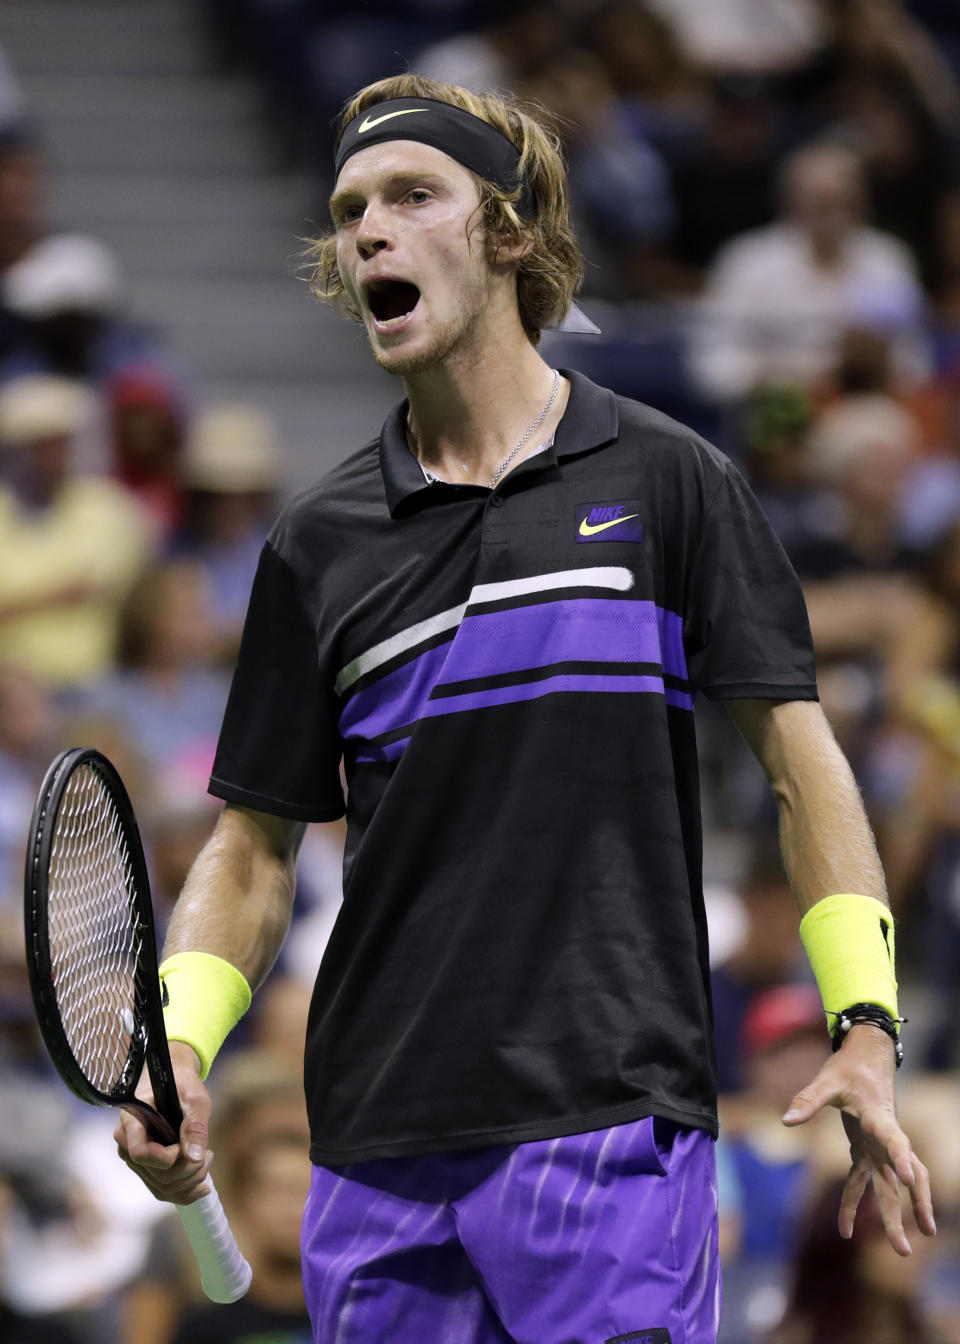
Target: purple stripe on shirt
372, 754
515, 640
670, 626
530, 690
395, 699
608, 630
533, 690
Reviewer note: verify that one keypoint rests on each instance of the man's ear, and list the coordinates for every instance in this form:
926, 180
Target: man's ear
512, 250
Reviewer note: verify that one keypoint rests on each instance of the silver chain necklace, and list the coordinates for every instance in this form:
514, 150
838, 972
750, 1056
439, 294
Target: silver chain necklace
539, 421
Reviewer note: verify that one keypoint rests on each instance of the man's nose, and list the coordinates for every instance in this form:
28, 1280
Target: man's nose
372, 234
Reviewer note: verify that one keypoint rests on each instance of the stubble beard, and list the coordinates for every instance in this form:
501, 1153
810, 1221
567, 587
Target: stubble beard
455, 334
442, 344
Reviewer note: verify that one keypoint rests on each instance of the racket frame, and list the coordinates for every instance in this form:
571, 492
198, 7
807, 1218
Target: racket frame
224, 1273
148, 1039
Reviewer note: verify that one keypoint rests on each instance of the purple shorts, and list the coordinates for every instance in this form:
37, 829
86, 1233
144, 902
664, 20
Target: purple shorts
591, 1238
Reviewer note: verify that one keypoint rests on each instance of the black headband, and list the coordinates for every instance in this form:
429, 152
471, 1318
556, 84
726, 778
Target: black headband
468, 139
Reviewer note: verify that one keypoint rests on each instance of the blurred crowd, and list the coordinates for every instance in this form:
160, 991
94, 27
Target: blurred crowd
768, 193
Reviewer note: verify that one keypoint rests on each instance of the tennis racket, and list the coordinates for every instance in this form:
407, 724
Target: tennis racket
92, 959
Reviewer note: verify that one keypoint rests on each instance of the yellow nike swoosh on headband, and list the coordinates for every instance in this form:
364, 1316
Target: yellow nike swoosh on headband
367, 124
587, 531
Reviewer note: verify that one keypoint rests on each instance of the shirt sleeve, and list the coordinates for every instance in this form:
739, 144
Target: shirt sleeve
746, 632
279, 748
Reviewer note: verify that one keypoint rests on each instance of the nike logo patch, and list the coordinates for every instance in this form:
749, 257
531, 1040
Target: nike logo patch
368, 123
613, 520
587, 531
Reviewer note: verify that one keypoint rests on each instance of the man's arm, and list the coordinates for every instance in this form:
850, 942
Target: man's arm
827, 848
238, 897
235, 904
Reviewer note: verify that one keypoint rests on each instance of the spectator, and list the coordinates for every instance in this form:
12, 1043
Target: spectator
280, 1025
27, 725
67, 290
778, 298
164, 690
61, 1257
20, 212
908, 160
17, 1327
881, 37
658, 87
608, 161
725, 184
925, 689
67, 293
231, 474
176, 817
268, 1190
320, 880
260, 1106
945, 284
754, 35
856, 581
768, 953
70, 545
519, 39
930, 502
146, 436
852, 1291
783, 1041
776, 428
258, 1095
862, 448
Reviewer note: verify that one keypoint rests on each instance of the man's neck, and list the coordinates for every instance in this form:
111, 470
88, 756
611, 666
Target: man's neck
467, 415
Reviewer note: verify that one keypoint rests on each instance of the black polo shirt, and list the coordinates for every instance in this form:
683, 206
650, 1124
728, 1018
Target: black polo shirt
508, 677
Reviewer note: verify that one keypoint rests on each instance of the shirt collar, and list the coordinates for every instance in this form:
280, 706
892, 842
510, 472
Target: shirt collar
591, 419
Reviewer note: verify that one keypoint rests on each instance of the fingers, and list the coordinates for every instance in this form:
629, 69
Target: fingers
166, 1170
888, 1190
180, 1183
194, 1101
886, 1187
134, 1142
853, 1190
194, 1127
175, 1172
809, 1100
921, 1200
887, 1143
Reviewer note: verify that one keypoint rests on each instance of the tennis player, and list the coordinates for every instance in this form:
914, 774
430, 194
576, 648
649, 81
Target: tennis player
496, 615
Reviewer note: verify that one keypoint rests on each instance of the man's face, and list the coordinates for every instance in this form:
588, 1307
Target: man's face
826, 201
411, 252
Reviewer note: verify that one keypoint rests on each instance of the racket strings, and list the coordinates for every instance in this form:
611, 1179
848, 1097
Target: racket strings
94, 931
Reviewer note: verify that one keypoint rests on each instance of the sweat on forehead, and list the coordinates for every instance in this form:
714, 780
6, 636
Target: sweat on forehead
469, 140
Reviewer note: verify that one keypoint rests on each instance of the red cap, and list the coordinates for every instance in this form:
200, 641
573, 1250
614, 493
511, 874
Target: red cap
775, 1014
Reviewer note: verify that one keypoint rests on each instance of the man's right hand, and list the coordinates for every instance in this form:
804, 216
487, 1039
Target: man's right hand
177, 1172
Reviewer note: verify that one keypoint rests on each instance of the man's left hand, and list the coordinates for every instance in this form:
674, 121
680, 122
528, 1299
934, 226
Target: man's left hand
859, 1081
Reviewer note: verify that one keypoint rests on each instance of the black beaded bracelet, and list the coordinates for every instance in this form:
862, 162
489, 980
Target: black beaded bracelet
871, 1015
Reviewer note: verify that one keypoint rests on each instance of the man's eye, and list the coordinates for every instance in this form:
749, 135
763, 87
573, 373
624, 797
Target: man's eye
419, 195
349, 214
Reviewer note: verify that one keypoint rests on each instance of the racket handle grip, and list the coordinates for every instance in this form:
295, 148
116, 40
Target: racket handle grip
224, 1273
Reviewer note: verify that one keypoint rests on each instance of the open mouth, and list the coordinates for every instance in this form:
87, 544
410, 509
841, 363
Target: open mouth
392, 300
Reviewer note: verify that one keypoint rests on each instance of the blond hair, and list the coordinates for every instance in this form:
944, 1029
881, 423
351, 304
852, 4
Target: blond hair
551, 270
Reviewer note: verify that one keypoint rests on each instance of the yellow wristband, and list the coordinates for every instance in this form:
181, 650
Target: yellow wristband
849, 940
204, 999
